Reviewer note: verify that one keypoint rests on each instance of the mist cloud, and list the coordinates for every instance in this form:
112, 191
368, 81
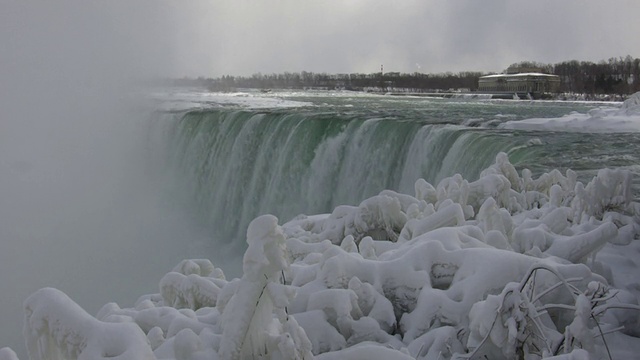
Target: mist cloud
79, 209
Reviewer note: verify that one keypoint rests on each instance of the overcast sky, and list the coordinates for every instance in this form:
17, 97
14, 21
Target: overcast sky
242, 37
212, 38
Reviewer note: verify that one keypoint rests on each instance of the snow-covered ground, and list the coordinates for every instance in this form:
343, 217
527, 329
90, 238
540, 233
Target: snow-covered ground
504, 267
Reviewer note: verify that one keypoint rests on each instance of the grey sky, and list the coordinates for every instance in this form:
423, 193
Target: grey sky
242, 37
212, 38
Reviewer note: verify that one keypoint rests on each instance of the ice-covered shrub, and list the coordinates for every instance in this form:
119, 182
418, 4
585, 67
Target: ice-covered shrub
8, 354
519, 324
57, 328
249, 329
190, 291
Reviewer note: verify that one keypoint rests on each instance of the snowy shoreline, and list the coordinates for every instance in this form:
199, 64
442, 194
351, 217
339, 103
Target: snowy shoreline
501, 266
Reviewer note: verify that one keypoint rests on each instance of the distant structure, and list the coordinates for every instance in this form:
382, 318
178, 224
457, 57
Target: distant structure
522, 82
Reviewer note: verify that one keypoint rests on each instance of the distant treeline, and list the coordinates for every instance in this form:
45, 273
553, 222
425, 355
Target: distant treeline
615, 76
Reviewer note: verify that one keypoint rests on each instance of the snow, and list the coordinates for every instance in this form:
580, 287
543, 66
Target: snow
7, 354
599, 120
517, 75
57, 328
502, 267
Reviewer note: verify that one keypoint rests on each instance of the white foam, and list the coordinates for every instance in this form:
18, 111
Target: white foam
186, 99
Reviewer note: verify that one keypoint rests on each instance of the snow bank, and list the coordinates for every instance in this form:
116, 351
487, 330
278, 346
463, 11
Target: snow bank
602, 120
503, 267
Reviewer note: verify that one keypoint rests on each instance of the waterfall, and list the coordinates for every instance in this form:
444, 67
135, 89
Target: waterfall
239, 164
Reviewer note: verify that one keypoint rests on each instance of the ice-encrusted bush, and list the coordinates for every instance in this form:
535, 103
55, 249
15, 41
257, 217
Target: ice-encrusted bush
8, 354
502, 267
249, 329
516, 322
192, 284
57, 328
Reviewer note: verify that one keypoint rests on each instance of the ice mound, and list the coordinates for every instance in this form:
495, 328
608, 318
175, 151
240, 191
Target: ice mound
500, 268
600, 120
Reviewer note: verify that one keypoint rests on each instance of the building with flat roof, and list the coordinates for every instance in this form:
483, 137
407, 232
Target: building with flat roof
523, 84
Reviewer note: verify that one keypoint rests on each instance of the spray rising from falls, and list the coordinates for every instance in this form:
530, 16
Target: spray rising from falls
243, 163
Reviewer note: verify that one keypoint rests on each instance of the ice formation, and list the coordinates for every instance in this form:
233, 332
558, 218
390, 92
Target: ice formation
599, 120
503, 267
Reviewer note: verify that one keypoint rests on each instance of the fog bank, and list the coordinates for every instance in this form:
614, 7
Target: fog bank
80, 202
